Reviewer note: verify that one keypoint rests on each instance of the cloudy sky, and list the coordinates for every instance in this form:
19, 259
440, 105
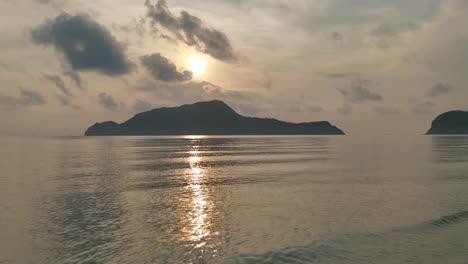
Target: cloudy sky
368, 66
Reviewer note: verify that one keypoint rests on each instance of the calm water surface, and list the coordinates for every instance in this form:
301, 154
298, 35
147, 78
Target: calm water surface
234, 200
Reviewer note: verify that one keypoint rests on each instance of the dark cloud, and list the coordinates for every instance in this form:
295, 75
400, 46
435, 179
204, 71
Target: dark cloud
164, 70
191, 30
359, 92
75, 78
85, 44
107, 101
26, 98
142, 106
386, 110
59, 83
440, 89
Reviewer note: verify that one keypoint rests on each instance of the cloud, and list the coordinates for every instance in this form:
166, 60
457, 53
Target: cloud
346, 109
422, 111
386, 110
359, 92
26, 98
85, 44
385, 35
67, 101
75, 78
426, 104
358, 12
4, 66
440, 89
45, 2
64, 100
314, 109
142, 106
57, 4
384, 31
107, 101
395, 29
164, 70
59, 83
192, 31
337, 36
339, 75
246, 102
298, 108
65, 96
416, 59
424, 107
136, 26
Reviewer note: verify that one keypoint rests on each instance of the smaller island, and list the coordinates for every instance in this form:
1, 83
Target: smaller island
206, 118
450, 123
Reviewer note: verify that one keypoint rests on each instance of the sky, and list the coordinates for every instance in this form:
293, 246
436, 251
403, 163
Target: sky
367, 66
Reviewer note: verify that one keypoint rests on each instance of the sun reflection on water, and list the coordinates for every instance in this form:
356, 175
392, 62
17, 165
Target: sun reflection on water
193, 137
199, 212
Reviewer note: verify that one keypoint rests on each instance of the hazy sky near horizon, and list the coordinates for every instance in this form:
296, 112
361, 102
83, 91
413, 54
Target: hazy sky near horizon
367, 66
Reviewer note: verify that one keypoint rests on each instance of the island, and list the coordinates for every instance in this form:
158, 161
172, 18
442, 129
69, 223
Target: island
450, 123
206, 118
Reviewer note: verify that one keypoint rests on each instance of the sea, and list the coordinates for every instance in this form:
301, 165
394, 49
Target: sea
232, 199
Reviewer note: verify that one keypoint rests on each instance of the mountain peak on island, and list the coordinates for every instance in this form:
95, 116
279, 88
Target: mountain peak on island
450, 123
212, 103
209, 107
207, 118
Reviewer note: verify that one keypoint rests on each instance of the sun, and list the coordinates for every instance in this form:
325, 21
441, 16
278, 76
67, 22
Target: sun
196, 65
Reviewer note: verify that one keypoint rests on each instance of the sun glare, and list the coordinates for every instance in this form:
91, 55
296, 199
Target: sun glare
196, 65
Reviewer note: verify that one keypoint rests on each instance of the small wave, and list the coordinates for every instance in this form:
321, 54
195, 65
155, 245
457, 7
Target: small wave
450, 219
299, 255
392, 246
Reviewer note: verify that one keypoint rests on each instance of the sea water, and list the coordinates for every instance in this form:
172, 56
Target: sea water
259, 199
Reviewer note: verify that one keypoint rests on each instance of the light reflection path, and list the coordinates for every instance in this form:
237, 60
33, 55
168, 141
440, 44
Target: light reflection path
200, 222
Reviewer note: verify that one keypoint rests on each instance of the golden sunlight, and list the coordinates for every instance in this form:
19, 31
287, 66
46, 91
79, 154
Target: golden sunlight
199, 215
196, 65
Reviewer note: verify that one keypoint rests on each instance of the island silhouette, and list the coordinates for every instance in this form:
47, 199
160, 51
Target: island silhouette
206, 118
450, 123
